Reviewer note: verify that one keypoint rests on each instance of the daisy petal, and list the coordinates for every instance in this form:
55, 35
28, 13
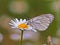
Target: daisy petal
12, 27
24, 20
13, 22
20, 20
34, 30
10, 24
16, 20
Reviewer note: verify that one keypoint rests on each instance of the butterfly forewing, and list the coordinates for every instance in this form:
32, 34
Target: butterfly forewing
41, 22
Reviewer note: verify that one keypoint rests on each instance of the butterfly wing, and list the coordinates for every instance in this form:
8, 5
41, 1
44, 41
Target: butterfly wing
41, 22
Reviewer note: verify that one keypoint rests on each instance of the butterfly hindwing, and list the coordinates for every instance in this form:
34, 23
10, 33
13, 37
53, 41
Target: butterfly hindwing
41, 22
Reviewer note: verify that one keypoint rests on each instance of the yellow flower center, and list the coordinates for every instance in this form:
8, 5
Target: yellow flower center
23, 25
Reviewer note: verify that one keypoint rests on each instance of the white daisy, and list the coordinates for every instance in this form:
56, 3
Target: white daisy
21, 24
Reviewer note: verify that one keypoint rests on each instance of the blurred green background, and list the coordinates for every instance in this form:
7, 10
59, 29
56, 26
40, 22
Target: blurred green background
27, 9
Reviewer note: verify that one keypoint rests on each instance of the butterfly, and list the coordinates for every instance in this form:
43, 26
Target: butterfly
41, 22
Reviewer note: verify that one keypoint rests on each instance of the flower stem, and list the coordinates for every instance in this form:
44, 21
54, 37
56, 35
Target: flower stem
21, 37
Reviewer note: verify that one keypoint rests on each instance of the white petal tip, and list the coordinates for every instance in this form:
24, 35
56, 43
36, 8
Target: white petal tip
34, 30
